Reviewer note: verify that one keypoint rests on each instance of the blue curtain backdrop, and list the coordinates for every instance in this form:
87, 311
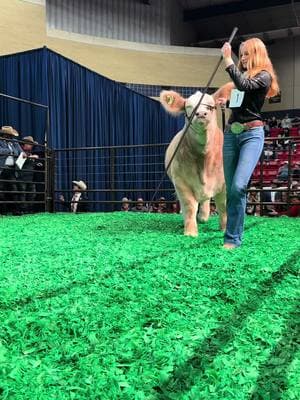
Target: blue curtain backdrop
86, 109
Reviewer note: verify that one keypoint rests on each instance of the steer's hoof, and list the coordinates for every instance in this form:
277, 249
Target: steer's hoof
191, 233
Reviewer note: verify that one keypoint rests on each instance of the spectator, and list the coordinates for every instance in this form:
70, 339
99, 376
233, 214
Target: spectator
162, 206
78, 201
266, 128
269, 196
125, 204
139, 207
293, 210
213, 209
286, 123
283, 172
273, 123
281, 197
296, 171
25, 175
252, 197
9, 151
175, 206
285, 142
269, 151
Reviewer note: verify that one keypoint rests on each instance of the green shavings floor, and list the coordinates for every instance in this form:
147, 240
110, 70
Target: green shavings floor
123, 306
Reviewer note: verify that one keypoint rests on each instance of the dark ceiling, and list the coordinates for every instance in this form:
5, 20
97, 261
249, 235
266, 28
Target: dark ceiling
213, 20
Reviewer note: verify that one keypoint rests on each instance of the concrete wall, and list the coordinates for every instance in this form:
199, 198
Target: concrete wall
114, 19
23, 27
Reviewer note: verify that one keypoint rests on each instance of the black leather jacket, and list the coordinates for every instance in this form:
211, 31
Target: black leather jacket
255, 90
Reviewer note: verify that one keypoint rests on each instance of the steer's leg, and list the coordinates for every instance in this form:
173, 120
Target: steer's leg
189, 207
220, 199
204, 211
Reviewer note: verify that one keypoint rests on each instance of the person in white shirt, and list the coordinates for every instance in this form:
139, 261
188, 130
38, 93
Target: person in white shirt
286, 122
78, 200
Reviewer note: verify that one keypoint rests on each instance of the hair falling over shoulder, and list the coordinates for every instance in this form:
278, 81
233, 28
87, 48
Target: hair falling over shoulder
259, 60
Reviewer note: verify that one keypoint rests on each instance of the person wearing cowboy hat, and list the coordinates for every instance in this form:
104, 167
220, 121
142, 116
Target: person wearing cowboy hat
25, 178
9, 152
78, 201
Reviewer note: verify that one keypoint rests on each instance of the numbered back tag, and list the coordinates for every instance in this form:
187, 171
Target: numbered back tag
236, 98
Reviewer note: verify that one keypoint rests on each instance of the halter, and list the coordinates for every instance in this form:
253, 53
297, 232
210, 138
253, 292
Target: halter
209, 107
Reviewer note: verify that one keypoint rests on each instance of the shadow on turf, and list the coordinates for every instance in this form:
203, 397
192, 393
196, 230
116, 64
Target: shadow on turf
166, 226
64, 290
47, 294
272, 380
184, 377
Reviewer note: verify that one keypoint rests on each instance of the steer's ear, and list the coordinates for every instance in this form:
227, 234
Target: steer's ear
224, 91
173, 102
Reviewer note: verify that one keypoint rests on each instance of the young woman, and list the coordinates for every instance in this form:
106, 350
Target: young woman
253, 79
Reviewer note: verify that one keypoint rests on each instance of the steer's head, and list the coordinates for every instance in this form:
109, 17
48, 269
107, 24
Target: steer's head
175, 104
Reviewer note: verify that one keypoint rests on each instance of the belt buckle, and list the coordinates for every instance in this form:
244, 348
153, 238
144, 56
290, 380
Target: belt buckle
237, 128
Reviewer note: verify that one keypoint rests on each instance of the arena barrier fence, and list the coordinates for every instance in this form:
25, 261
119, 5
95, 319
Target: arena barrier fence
29, 189
111, 173
26, 188
134, 171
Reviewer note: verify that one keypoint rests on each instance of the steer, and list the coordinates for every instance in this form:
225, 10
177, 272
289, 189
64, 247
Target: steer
197, 168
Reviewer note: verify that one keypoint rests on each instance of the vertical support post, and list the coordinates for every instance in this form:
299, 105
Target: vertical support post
289, 173
112, 157
49, 180
261, 180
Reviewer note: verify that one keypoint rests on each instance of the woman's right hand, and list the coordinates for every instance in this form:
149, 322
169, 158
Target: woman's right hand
221, 101
226, 50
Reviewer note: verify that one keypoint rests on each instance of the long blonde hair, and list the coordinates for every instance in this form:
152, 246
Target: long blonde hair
259, 60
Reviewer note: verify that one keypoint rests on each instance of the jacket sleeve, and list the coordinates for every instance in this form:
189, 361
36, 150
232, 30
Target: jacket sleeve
4, 150
18, 147
259, 81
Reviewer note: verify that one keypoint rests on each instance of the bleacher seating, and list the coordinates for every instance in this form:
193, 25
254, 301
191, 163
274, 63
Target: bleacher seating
274, 132
271, 167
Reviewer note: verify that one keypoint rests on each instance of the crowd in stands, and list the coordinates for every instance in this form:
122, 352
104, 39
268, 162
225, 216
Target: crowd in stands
278, 176
161, 206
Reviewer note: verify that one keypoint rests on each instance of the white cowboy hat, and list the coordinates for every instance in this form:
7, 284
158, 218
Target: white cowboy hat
80, 184
9, 130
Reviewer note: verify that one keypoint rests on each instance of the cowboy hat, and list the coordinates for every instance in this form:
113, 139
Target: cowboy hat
9, 130
80, 184
29, 140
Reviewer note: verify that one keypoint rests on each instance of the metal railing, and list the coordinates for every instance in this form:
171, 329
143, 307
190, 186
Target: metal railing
28, 189
286, 186
16, 192
111, 173
132, 171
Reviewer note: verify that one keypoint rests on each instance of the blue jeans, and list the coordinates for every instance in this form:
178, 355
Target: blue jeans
240, 155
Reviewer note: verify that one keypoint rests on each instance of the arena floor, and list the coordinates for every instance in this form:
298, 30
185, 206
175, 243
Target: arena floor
123, 306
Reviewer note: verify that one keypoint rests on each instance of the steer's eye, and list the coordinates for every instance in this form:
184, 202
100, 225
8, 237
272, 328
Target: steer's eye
209, 108
189, 110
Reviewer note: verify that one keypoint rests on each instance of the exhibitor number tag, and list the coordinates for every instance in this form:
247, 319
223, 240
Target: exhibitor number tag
236, 98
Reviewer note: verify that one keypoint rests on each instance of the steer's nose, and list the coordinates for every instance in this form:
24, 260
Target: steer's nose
201, 114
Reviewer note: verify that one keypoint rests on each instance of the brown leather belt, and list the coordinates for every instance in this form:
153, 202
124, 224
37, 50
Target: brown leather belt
237, 127
253, 124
